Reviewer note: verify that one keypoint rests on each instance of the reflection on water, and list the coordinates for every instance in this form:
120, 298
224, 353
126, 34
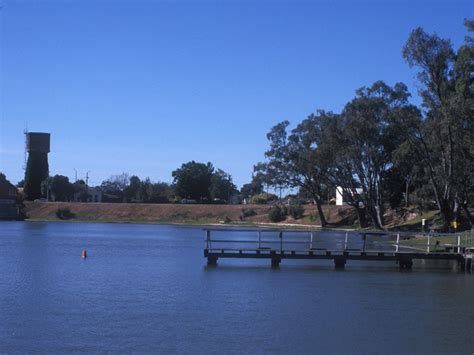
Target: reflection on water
147, 288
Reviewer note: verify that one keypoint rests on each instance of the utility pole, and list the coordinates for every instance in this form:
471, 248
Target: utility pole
87, 185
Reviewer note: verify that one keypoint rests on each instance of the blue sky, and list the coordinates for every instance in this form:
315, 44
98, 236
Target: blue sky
144, 86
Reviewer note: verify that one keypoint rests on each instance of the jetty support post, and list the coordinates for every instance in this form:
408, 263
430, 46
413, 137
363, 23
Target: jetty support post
398, 242
465, 263
345, 241
275, 259
212, 260
405, 263
311, 242
459, 244
428, 243
339, 262
259, 239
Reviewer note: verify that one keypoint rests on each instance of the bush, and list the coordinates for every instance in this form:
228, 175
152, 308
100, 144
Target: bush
276, 214
248, 212
296, 211
263, 199
64, 213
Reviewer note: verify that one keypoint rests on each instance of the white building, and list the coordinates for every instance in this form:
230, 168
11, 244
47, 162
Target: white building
340, 201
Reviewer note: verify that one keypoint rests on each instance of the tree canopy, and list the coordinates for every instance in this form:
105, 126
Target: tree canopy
193, 180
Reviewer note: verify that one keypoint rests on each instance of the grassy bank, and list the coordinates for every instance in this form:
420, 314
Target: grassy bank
243, 215
246, 215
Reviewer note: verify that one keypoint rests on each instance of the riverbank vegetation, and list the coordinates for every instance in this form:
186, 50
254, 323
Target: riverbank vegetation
384, 152
206, 214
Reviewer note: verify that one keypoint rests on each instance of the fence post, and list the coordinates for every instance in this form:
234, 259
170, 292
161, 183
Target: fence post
311, 243
345, 242
459, 244
398, 242
428, 245
259, 239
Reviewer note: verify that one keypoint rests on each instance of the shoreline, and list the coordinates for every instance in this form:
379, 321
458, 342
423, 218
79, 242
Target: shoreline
275, 226
340, 218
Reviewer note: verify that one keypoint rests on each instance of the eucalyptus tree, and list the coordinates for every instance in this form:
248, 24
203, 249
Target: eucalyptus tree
222, 186
292, 160
371, 132
254, 187
444, 138
333, 154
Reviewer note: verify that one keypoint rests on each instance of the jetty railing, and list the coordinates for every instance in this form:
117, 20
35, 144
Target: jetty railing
317, 244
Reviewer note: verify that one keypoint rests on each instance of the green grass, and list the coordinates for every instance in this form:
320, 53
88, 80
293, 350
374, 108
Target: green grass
415, 223
420, 242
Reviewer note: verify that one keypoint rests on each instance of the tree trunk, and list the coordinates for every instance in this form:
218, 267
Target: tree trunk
407, 200
374, 216
468, 214
447, 215
361, 216
320, 212
379, 216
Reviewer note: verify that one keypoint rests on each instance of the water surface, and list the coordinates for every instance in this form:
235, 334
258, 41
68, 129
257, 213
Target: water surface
146, 288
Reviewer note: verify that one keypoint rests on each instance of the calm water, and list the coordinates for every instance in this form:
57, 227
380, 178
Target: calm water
146, 288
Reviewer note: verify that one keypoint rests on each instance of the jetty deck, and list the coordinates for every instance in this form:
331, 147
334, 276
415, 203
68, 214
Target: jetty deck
277, 245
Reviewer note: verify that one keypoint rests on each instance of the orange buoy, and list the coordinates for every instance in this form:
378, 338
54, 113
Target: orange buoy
84, 253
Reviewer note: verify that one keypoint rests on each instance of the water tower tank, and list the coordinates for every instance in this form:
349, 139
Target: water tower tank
37, 142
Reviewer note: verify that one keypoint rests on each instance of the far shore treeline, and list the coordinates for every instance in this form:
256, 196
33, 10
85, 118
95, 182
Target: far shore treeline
381, 152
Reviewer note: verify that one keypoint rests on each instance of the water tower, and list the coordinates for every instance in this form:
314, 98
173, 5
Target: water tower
37, 167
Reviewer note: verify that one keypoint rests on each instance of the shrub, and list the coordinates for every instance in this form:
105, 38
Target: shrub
276, 214
64, 213
263, 199
248, 212
296, 211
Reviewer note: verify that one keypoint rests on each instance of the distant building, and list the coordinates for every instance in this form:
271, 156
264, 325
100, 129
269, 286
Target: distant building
235, 200
89, 194
94, 194
341, 199
9, 208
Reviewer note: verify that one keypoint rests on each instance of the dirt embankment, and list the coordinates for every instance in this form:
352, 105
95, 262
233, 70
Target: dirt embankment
341, 216
337, 216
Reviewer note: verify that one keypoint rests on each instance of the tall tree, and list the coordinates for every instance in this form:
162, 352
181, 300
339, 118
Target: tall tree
132, 189
61, 188
373, 132
193, 180
293, 161
222, 186
339, 172
255, 187
114, 187
444, 138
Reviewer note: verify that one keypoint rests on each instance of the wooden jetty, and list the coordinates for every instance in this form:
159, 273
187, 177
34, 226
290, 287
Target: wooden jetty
277, 245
